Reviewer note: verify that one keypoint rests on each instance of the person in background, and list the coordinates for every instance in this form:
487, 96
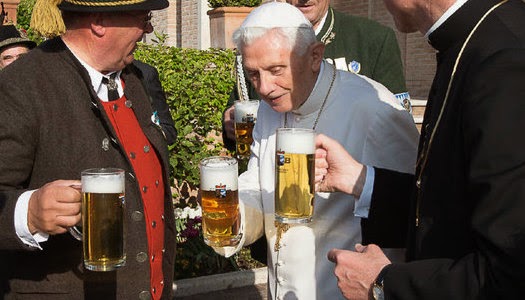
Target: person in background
13, 45
59, 117
466, 202
285, 64
161, 111
353, 44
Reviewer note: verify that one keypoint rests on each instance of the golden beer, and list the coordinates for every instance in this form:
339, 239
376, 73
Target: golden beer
294, 175
103, 219
220, 201
245, 118
220, 217
243, 139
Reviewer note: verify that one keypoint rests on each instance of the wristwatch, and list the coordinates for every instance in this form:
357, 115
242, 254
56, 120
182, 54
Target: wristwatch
377, 288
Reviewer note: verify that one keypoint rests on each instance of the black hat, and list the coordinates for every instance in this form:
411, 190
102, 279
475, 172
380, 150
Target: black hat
112, 5
47, 20
9, 35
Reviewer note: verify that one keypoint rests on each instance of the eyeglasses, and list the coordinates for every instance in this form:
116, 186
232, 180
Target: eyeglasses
146, 22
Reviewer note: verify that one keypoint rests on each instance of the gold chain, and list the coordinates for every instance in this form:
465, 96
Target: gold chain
334, 75
422, 160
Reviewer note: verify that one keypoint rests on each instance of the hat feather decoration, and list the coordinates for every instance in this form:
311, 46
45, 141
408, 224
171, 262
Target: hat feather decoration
46, 18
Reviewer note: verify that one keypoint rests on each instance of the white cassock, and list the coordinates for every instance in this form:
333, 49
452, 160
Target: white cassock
367, 120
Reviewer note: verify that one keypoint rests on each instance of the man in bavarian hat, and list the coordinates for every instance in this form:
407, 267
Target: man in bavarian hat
60, 116
12, 45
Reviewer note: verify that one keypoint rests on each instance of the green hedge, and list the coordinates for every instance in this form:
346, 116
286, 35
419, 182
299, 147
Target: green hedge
197, 85
223, 3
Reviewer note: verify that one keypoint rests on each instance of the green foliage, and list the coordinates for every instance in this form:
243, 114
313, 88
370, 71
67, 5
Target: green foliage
23, 19
223, 3
197, 85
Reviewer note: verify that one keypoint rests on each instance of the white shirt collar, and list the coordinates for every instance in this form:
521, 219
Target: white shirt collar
450, 11
321, 23
96, 78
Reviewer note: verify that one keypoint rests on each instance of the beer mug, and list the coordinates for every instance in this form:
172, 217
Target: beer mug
245, 117
294, 175
102, 219
220, 201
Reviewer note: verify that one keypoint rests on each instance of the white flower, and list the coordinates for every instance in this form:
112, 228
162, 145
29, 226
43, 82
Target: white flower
194, 212
181, 213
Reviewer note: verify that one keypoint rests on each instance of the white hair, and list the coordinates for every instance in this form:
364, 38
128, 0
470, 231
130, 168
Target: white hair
298, 39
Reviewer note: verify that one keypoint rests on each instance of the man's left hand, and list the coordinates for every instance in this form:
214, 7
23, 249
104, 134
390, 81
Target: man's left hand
357, 271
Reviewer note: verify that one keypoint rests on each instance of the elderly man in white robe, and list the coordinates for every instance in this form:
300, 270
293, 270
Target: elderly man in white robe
283, 60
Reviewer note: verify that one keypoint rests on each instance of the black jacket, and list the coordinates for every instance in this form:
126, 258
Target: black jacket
469, 242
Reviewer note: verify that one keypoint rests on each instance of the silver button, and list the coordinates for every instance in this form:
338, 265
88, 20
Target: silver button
144, 295
136, 216
115, 107
156, 183
154, 290
163, 250
105, 144
153, 224
146, 149
162, 217
153, 258
128, 103
144, 189
142, 257
132, 155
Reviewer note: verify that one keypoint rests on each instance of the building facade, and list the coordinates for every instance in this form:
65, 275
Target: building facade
186, 24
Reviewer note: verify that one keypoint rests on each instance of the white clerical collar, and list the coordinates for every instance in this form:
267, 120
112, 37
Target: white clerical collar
313, 103
96, 78
321, 22
450, 11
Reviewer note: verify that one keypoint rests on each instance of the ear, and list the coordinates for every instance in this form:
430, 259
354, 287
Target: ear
317, 54
99, 24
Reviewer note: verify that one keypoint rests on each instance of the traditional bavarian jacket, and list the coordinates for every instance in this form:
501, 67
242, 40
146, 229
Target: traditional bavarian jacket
363, 46
365, 118
53, 126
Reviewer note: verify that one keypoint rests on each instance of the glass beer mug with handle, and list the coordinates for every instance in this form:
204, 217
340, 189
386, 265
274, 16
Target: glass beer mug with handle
102, 219
245, 117
294, 175
220, 201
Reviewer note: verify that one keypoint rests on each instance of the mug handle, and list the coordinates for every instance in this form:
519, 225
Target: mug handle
75, 232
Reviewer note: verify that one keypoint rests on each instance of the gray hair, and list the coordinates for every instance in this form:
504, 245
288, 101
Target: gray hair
298, 38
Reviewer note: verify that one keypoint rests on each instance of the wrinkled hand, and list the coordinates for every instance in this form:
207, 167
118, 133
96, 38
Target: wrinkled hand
357, 271
54, 207
336, 170
229, 123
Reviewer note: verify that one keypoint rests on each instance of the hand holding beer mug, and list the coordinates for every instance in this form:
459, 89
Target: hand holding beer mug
103, 218
220, 201
294, 175
245, 117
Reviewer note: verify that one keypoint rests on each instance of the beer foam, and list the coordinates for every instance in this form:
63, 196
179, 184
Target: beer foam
295, 140
103, 183
243, 108
216, 173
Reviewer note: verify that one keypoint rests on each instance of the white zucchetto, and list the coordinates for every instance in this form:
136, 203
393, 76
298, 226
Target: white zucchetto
275, 14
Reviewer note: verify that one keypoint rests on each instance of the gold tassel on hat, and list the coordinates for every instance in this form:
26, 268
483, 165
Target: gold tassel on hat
46, 18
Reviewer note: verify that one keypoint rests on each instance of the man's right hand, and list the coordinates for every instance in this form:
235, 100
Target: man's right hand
336, 170
229, 123
54, 207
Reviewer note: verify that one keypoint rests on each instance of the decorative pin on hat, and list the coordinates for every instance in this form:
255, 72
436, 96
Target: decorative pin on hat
9, 36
